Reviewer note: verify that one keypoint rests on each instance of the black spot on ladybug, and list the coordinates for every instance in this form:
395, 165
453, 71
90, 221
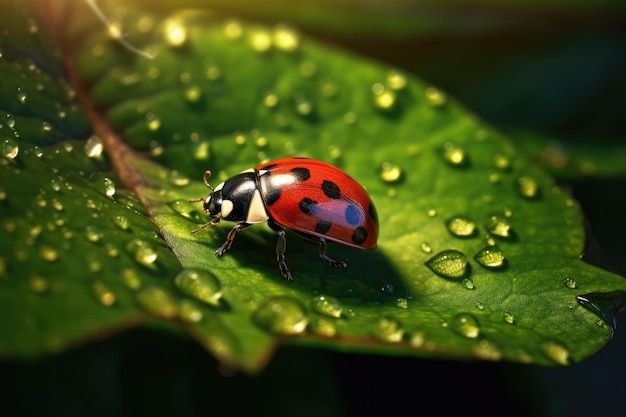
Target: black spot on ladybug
353, 215
302, 174
322, 226
372, 212
308, 206
359, 235
331, 190
272, 195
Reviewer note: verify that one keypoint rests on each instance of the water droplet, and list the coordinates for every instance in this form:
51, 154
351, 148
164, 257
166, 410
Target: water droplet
21, 96
555, 351
570, 283
396, 80
9, 121
281, 315
9, 148
308, 68
449, 264
270, 100
93, 234
286, 38
487, 350
103, 294
322, 327
384, 99
454, 155
502, 162
468, 283
48, 253
111, 250
189, 311
159, 301
480, 305
328, 306
121, 221
490, 257
130, 278
193, 94
261, 41
387, 289
499, 227
175, 33
391, 173
109, 187
233, 29
435, 97
508, 317
461, 226
528, 187
465, 325
154, 123
94, 147
402, 303
426, 248
200, 284
38, 285
388, 329
142, 251
213, 73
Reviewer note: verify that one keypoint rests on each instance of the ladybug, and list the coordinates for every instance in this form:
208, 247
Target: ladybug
315, 199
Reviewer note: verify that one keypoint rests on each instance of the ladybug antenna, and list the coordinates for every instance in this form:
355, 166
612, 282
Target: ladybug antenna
207, 174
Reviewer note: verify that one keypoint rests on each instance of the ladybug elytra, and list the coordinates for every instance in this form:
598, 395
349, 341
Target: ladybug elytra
315, 199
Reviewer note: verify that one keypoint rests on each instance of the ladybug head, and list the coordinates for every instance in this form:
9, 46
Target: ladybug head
213, 203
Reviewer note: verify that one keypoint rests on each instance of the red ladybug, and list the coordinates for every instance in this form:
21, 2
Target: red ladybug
315, 199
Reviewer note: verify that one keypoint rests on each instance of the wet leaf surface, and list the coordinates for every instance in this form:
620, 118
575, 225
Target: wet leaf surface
478, 253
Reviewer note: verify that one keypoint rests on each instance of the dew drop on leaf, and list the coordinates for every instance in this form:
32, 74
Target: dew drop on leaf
501, 162
93, 234
286, 38
570, 283
38, 284
490, 257
159, 301
94, 147
21, 96
121, 221
528, 187
396, 80
327, 306
281, 315
449, 264
461, 226
384, 99
454, 155
199, 284
508, 317
487, 350
9, 148
391, 173
468, 284
261, 41
103, 294
466, 325
555, 351
175, 33
388, 329
189, 311
323, 327
498, 226
233, 29
435, 97
130, 278
142, 251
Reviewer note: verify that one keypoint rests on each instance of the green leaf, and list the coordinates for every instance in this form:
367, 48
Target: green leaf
478, 252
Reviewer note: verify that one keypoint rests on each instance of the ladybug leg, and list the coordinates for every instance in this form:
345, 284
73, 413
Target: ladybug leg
209, 223
230, 238
325, 258
281, 246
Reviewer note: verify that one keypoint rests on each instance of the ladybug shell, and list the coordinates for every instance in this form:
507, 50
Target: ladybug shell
318, 200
